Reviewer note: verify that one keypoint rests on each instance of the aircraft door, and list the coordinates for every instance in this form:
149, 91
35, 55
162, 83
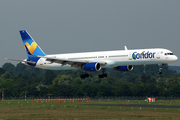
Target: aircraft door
158, 55
130, 56
40, 61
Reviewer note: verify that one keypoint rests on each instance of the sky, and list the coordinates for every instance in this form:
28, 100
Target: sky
69, 26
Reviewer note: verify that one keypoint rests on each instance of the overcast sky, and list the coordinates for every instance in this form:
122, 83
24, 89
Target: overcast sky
68, 26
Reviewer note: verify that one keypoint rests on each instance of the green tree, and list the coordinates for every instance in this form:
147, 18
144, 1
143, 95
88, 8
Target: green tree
20, 68
2, 71
49, 77
174, 90
8, 67
63, 79
137, 90
6, 75
123, 90
151, 90
162, 91
77, 81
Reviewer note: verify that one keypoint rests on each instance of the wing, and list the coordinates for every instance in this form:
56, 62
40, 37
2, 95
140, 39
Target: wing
73, 63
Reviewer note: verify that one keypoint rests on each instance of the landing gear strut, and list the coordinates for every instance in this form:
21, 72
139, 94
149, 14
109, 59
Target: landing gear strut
103, 74
144, 69
85, 75
160, 68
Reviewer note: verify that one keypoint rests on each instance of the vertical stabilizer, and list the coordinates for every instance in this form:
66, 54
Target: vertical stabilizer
30, 45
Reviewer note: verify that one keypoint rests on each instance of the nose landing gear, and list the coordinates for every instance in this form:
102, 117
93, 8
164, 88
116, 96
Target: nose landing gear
160, 68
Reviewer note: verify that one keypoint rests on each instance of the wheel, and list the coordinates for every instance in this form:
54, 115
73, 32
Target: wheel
86, 75
160, 72
100, 76
104, 75
82, 76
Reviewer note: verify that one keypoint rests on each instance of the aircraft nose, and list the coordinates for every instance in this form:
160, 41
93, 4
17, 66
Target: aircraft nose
175, 58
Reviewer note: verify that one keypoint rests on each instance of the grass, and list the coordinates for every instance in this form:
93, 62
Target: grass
158, 102
18, 109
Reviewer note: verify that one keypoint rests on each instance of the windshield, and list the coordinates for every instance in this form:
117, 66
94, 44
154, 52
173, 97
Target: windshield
168, 53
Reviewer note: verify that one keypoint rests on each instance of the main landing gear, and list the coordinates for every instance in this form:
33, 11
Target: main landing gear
160, 68
85, 75
103, 74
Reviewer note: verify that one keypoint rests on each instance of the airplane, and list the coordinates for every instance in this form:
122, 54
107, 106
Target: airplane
120, 60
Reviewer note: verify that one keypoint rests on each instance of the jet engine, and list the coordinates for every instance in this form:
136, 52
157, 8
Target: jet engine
124, 68
91, 67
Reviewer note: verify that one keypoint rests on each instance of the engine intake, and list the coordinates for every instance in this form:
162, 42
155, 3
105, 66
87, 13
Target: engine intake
91, 67
124, 68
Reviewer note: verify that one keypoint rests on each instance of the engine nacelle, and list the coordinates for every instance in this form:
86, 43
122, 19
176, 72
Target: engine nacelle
124, 68
91, 67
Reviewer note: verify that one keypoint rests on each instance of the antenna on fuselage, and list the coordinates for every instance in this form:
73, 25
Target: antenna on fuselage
125, 48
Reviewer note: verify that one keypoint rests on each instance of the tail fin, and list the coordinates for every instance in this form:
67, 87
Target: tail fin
30, 45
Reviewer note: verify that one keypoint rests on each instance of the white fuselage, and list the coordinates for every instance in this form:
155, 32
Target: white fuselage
112, 58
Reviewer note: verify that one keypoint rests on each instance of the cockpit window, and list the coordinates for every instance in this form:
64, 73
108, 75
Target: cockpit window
168, 54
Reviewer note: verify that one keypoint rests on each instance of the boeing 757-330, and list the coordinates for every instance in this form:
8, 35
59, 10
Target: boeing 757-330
120, 60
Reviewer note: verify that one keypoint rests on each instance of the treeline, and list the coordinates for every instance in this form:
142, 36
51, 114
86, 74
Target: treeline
38, 82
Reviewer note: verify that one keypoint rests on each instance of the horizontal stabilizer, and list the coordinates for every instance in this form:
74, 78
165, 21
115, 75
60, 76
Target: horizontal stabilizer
20, 61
